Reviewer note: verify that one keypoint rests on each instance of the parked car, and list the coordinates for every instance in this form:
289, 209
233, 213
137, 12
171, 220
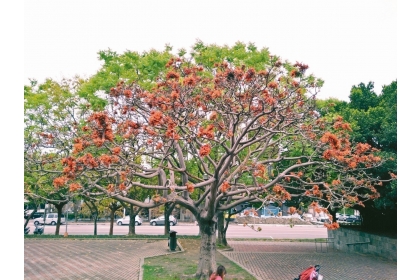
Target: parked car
27, 213
50, 219
38, 215
308, 217
159, 221
126, 220
342, 218
323, 219
353, 219
232, 217
35, 215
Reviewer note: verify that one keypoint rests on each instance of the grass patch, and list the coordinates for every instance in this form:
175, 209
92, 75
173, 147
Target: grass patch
168, 267
183, 265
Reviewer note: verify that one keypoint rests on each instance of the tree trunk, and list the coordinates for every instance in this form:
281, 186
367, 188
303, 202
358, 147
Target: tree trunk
75, 209
132, 223
207, 259
59, 207
221, 229
28, 218
111, 225
95, 226
113, 206
332, 213
134, 211
167, 213
94, 214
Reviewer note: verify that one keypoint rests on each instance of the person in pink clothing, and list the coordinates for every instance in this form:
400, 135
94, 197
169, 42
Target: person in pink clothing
219, 274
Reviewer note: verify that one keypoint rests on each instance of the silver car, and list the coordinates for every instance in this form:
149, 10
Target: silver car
161, 221
50, 219
126, 220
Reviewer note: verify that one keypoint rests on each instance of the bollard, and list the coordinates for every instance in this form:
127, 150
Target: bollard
172, 240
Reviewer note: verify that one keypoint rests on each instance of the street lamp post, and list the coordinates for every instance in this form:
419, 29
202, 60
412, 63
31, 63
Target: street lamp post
67, 219
45, 211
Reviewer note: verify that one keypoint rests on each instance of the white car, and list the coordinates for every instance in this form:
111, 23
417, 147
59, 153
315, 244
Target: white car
160, 221
342, 218
126, 220
50, 219
308, 217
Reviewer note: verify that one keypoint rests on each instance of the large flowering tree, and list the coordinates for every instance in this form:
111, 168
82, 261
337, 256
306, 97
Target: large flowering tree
230, 135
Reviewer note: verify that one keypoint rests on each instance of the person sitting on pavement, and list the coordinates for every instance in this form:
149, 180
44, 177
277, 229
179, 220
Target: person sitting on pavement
219, 274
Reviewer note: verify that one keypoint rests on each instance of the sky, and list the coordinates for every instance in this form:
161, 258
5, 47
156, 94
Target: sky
345, 43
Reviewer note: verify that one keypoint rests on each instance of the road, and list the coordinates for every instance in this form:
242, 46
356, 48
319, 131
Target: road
234, 230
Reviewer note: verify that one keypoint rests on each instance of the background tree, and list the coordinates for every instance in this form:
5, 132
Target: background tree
373, 119
50, 111
133, 211
113, 206
93, 205
39, 189
131, 66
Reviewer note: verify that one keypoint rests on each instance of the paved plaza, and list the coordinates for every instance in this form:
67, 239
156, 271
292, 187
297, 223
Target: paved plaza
281, 260
113, 259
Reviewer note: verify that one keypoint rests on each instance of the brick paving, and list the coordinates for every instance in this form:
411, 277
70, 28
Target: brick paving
285, 260
70, 259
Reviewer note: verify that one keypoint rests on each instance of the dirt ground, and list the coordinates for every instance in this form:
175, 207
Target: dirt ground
183, 265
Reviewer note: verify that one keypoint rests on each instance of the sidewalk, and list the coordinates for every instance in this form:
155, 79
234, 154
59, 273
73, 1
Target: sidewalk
122, 260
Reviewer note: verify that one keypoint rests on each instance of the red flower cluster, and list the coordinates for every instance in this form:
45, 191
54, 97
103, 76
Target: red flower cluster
111, 188
128, 93
224, 187
332, 226
60, 181
250, 74
105, 160
190, 187
205, 150
172, 75
70, 167
332, 139
159, 146
213, 115
292, 210
155, 118
116, 150
260, 171
206, 132
190, 81
74, 187
89, 161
